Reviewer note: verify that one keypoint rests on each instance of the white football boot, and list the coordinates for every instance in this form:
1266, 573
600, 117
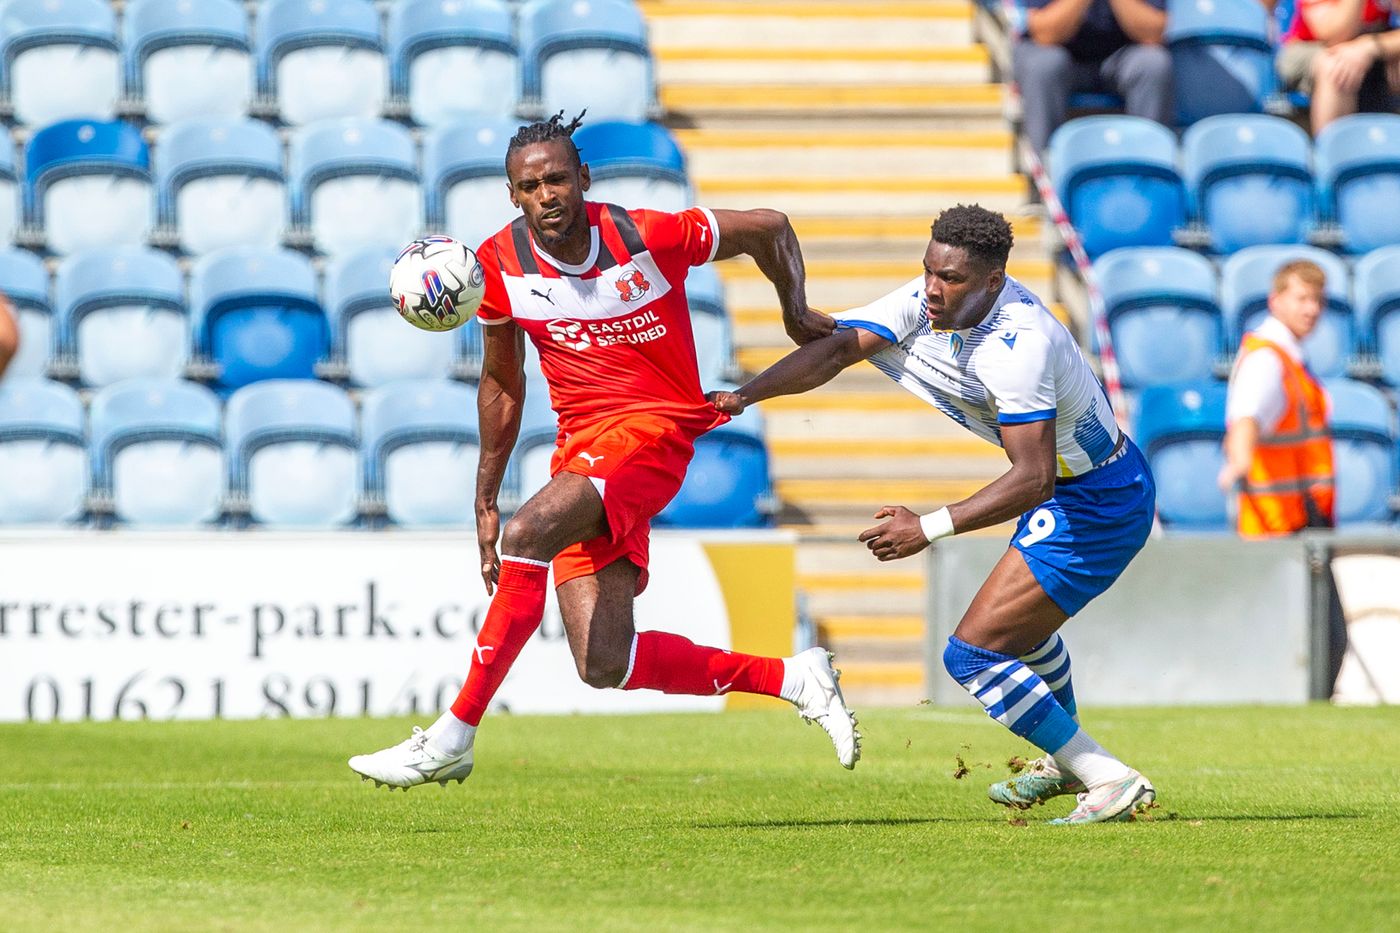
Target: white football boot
1115, 801
413, 762
820, 701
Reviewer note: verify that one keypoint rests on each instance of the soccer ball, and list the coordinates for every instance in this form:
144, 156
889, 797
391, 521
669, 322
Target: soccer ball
436, 283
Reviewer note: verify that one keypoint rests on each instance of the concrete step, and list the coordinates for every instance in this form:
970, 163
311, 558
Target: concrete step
835, 151
933, 103
878, 650
869, 684
839, 413
897, 235
846, 558
885, 457
861, 497
805, 24
762, 64
899, 591
898, 629
920, 196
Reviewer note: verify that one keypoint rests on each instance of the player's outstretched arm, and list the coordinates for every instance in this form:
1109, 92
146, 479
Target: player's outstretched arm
810, 365
768, 237
499, 400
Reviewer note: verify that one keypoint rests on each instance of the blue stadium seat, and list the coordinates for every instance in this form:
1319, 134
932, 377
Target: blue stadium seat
727, 484
321, 58
1180, 429
157, 452
74, 39
635, 165
587, 53
121, 314
1358, 174
528, 470
1376, 285
43, 460
221, 184
254, 313
1246, 279
368, 334
1117, 179
420, 451
88, 185
464, 167
1249, 179
355, 184
189, 59
1161, 308
292, 452
1363, 448
453, 59
11, 198
1222, 57
25, 282
714, 333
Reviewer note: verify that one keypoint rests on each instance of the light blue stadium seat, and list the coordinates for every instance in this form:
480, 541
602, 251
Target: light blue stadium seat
291, 447
89, 185
221, 184
635, 165
157, 452
421, 449
587, 53
1117, 179
189, 59
1222, 57
322, 58
43, 460
453, 59
41, 40
1363, 450
528, 470
1161, 308
464, 168
25, 282
367, 333
1180, 429
254, 313
1246, 279
714, 332
1376, 285
11, 196
355, 184
1250, 179
727, 484
121, 314
1357, 159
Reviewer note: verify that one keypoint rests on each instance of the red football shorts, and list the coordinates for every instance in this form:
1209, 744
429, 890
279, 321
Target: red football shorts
637, 464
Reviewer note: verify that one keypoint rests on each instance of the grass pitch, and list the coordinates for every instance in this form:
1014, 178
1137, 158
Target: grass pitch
1269, 819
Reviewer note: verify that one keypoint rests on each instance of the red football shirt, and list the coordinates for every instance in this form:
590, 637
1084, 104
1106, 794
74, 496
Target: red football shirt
613, 333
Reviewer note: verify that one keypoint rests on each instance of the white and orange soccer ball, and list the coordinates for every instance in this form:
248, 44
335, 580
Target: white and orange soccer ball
437, 283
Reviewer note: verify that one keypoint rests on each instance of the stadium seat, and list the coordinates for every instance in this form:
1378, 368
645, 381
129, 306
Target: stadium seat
11, 199
1249, 179
367, 333
1117, 179
188, 59
355, 184
590, 54
1162, 314
292, 453
157, 452
1376, 284
528, 470
635, 165
464, 167
1363, 448
255, 315
43, 460
1222, 57
121, 315
1358, 175
1180, 429
714, 333
321, 59
727, 484
1246, 279
221, 184
74, 39
454, 59
25, 282
88, 185
420, 451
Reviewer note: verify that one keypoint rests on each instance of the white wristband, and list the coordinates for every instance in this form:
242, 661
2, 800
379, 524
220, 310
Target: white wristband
936, 524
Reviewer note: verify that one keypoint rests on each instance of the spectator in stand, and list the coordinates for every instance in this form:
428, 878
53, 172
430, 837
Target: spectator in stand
1342, 54
1075, 46
9, 334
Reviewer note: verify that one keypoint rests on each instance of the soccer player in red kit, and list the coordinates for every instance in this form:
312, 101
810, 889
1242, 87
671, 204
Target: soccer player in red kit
601, 292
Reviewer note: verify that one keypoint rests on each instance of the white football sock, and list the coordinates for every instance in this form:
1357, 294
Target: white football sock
450, 735
1089, 761
792, 682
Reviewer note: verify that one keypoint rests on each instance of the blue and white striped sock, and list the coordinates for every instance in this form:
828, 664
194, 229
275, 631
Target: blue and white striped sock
1012, 693
1050, 659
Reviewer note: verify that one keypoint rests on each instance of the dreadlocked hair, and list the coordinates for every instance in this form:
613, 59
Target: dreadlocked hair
544, 131
984, 234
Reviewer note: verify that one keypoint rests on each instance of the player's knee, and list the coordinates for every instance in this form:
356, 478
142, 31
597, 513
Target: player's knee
963, 661
602, 671
521, 535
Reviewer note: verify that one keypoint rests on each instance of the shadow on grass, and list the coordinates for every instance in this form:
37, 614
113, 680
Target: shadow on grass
869, 821
1270, 818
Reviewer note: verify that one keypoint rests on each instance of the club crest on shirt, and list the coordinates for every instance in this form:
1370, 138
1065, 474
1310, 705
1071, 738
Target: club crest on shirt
632, 285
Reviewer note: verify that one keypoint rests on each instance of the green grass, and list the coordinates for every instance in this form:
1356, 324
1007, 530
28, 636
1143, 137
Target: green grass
1270, 819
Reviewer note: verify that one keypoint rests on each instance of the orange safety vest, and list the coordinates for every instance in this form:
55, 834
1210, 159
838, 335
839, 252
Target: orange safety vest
1291, 484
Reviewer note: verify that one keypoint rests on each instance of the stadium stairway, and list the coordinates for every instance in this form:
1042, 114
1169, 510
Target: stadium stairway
861, 121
